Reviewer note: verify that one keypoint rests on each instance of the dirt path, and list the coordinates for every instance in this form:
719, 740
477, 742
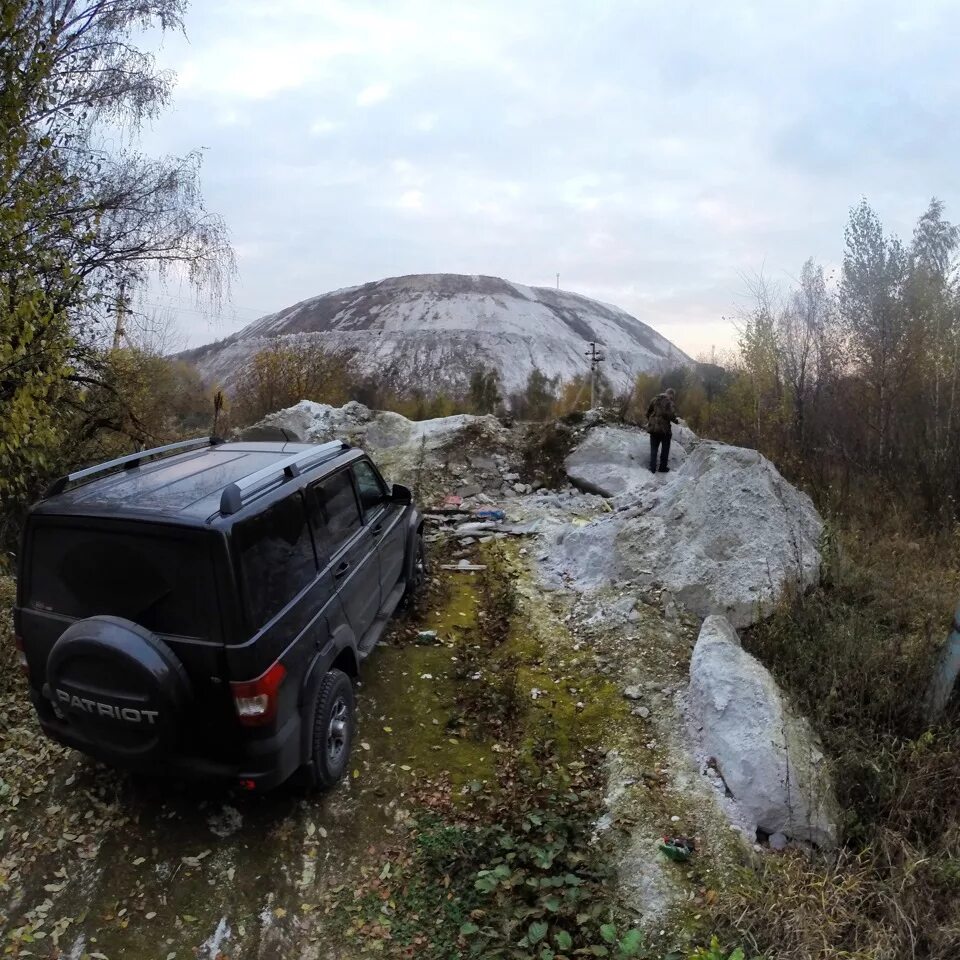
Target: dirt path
98, 864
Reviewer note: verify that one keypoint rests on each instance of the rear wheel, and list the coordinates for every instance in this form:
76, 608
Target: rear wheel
333, 727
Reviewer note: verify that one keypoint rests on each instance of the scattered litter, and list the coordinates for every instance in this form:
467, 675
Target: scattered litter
452, 500
490, 515
463, 565
427, 636
678, 848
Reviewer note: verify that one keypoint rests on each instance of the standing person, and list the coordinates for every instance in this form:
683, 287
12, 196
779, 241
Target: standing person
660, 414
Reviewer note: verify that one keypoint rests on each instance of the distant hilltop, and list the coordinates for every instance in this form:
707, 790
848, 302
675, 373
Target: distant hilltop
433, 330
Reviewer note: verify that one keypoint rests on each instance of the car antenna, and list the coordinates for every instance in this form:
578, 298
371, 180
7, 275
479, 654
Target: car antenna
286, 439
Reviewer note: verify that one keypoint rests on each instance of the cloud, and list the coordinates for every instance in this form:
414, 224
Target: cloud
375, 93
650, 153
410, 200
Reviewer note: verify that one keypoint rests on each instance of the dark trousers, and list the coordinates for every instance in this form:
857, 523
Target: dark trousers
659, 441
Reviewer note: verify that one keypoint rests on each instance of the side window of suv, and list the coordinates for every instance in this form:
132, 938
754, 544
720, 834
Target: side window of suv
369, 486
276, 557
334, 511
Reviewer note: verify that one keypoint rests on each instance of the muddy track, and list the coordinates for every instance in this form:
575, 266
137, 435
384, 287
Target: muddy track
98, 863
94, 863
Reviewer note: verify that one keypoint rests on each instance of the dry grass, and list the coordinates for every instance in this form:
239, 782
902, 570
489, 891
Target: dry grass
856, 655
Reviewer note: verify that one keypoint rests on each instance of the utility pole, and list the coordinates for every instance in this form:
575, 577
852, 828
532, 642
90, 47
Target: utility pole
558, 281
595, 360
119, 331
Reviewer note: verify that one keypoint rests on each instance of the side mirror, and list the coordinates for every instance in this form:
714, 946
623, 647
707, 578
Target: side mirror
401, 494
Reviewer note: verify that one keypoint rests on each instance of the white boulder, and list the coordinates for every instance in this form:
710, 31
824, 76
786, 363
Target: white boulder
769, 758
307, 421
376, 429
614, 460
414, 452
723, 533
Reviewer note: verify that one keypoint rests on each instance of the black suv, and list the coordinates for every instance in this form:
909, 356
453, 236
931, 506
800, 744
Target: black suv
202, 608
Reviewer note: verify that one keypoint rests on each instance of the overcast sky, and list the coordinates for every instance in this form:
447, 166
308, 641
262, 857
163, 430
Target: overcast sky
651, 153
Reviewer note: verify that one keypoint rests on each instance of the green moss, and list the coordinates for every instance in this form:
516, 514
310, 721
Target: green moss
409, 708
409, 697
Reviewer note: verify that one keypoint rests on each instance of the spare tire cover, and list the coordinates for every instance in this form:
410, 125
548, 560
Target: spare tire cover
120, 686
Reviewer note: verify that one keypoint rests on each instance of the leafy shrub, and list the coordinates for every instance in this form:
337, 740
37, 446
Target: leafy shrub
527, 882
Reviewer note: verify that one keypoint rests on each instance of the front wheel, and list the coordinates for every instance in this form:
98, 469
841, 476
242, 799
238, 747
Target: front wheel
419, 573
333, 727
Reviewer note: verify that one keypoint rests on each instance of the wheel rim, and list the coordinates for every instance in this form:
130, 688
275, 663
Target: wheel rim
338, 731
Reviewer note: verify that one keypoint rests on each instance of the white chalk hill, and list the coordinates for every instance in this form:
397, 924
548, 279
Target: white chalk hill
432, 330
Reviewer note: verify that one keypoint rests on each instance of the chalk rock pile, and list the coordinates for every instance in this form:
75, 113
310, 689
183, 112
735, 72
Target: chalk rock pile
767, 756
722, 533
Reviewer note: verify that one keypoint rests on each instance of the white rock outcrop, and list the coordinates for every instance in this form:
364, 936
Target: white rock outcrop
723, 533
769, 758
376, 429
435, 457
614, 460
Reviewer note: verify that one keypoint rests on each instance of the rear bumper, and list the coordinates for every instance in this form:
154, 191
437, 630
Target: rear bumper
265, 763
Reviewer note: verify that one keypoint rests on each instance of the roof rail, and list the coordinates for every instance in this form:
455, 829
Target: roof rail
236, 494
128, 462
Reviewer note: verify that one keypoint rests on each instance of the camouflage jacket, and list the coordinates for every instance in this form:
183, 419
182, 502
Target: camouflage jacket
660, 414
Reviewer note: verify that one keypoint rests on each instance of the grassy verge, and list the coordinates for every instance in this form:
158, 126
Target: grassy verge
856, 655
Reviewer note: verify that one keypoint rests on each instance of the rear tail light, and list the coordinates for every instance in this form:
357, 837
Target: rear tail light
21, 655
256, 700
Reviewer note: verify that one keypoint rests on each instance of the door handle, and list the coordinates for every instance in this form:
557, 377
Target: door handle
342, 569
377, 530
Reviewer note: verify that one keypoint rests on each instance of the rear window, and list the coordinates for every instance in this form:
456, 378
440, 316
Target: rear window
159, 579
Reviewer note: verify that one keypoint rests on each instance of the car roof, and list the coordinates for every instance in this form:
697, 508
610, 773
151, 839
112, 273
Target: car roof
186, 489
